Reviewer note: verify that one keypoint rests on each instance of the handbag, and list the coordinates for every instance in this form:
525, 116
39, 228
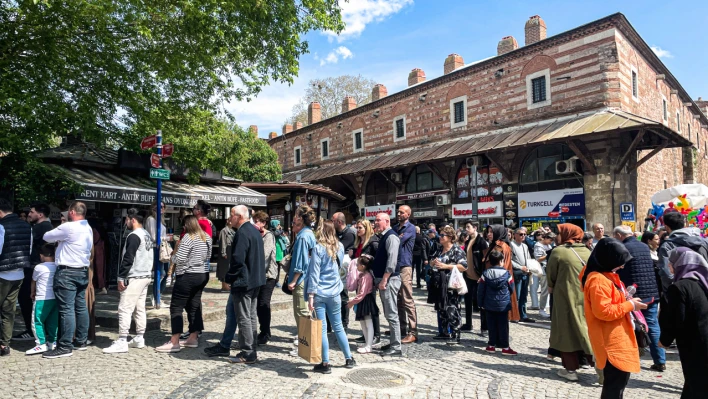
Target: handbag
165, 252
534, 267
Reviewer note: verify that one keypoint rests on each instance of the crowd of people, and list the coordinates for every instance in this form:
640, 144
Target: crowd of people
608, 298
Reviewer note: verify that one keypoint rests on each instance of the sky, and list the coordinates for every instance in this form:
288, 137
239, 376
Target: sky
385, 39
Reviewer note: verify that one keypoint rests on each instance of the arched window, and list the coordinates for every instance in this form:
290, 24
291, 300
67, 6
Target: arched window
539, 170
379, 191
423, 179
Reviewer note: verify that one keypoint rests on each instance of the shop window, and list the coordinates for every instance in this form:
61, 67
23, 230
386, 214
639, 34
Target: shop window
423, 179
399, 128
458, 112
297, 154
379, 191
539, 170
538, 89
358, 140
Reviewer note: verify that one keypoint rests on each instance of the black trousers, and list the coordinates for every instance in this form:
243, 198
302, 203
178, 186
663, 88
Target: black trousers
498, 323
263, 307
418, 265
187, 295
24, 299
344, 296
470, 300
615, 382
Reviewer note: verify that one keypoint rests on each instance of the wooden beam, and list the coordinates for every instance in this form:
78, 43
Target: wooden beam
632, 148
648, 156
588, 165
350, 186
502, 169
390, 181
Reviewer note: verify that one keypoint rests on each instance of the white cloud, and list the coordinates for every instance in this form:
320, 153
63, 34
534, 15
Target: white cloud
359, 13
333, 56
661, 53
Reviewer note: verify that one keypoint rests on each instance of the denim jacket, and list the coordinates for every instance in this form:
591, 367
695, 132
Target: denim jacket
323, 275
300, 262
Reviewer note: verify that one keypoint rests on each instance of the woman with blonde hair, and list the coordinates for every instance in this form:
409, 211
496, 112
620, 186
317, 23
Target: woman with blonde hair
323, 287
366, 243
194, 249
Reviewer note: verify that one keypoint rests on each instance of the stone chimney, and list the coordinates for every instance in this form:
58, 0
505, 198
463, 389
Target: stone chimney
506, 45
378, 92
298, 125
253, 129
287, 128
535, 30
314, 113
416, 76
348, 104
452, 62
272, 135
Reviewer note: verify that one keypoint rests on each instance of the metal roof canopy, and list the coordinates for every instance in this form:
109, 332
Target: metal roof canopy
542, 132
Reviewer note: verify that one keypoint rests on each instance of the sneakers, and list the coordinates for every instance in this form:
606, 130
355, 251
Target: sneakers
544, 314
293, 353
119, 346
188, 344
241, 359
364, 350
5, 351
568, 375
360, 340
217, 350
509, 352
351, 363
24, 336
527, 320
262, 339
136, 342
51, 346
103, 291
37, 350
168, 347
80, 347
57, 353
322, 368
658, 367
185, 335
550, 358
491, 349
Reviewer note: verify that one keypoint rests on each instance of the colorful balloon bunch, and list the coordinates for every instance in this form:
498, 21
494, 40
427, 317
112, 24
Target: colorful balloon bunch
694, 217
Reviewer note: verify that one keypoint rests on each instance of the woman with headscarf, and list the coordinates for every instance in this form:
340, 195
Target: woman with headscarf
607, 313
686, 319
500, 242
569, 332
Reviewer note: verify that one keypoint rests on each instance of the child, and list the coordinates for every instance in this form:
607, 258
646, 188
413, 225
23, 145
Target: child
45, 314
494, 290
365, 301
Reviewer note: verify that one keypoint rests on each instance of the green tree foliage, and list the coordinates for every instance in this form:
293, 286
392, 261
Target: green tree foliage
330, 93
33, 180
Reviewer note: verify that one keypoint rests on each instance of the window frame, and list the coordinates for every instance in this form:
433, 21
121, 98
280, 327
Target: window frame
329, 149
664, 109
465, 119
634, 82
354, 133
296, 150
688, 130
529, 89
678, 121
395, 131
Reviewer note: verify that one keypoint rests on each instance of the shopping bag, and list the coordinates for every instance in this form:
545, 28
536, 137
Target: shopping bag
309, 339
457, 282
534, 267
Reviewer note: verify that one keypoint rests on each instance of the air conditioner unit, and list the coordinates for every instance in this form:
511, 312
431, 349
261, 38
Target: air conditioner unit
473, 161
396, 177
567, 167
441, 200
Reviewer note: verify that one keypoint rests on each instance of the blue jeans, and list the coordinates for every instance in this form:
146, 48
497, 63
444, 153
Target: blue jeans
651, 316
522, 293
332, 308
70, 292
231, 323
165, 267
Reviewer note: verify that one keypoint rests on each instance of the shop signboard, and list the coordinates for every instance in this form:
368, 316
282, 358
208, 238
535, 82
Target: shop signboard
484, 210
510, 199
123, 195
415, 196
533, 224
370, 212
436, 213
553, 203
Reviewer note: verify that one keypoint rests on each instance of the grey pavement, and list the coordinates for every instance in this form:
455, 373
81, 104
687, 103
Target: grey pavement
430, 369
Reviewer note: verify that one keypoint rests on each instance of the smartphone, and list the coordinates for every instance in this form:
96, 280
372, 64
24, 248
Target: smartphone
648, 301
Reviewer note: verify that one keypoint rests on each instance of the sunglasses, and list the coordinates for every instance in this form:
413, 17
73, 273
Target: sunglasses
520, 234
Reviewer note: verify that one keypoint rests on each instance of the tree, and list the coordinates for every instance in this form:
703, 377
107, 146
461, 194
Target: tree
330, 93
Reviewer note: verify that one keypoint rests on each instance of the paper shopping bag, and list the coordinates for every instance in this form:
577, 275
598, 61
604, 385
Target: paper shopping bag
309, 338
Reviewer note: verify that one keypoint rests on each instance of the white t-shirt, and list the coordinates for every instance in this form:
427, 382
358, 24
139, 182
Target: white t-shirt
44, 279
75, 242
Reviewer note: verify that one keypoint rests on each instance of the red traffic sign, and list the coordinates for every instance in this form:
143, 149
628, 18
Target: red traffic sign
167, 150
155, 160
148, 142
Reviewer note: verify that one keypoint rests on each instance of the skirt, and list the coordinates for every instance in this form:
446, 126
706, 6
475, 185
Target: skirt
367, 307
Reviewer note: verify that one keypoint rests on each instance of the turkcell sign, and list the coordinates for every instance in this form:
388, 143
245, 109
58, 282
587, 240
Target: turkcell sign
552, 203
370, 212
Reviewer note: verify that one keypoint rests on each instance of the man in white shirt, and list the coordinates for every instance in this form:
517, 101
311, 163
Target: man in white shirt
519, 258
75, 240
15, 249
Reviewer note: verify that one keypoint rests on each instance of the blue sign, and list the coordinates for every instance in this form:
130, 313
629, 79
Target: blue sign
627, 211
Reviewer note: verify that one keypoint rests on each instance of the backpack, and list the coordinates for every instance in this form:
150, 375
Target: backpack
352, 275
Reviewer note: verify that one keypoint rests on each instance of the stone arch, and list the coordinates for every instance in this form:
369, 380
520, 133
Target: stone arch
459, 89
398, 109
357, 123
538, 63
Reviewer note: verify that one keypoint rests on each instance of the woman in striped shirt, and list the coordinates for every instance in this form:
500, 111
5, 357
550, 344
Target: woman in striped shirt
194, 249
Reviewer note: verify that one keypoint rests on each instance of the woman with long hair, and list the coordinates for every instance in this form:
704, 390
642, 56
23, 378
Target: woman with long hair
366, 243
323, 287
194, 249
569, 331
499, 241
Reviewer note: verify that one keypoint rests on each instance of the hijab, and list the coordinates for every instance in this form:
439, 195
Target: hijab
609, 253
274, 224
570, 232
499, 233
689, 264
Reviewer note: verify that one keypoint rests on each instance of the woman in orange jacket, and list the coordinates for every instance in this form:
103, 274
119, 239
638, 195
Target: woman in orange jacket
607, 314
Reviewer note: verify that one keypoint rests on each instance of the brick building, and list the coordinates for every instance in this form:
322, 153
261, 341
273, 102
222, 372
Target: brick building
564, 128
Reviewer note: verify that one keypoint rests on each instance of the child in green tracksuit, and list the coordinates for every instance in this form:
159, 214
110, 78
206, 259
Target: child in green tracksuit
45, 314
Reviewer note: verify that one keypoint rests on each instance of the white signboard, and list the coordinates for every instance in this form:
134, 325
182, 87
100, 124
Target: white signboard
553, 203
370, 212
484, 210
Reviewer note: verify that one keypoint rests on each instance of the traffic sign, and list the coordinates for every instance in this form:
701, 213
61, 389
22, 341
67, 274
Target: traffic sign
167, 150
148, 142
627, 211
155, 160
162, 174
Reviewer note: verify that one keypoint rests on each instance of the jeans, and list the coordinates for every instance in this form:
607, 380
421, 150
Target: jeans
70, 292
331, 307
522, 293
389, 299
245, 303
534, 291
230, 325
652, 318
344, 297
263, 308
187, 295
9, 290
498, 323
163, 276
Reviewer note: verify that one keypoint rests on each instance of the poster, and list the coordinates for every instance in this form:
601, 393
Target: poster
552, 203
510, 199
484, 210
489, 183
370, 212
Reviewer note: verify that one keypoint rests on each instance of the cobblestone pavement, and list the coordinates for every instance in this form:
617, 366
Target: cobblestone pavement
429, 370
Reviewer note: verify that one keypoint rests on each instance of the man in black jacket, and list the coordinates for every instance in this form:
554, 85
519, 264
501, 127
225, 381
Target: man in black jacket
640, 271
246, 275
420, 253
